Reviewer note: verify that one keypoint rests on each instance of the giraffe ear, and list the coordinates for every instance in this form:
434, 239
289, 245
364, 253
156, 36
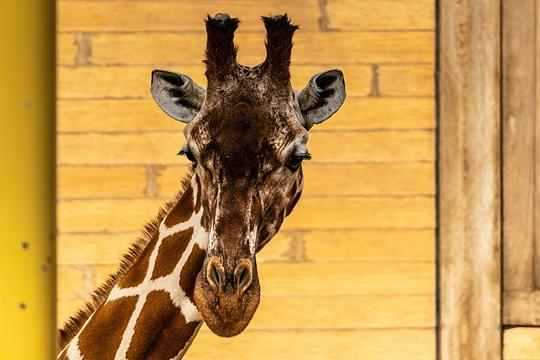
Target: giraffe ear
176, 94
321, 97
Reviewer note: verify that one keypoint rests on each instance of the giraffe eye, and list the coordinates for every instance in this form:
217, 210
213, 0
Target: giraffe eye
187, 153
296, 160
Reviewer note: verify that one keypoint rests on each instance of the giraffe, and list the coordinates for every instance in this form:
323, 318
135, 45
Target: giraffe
246, 136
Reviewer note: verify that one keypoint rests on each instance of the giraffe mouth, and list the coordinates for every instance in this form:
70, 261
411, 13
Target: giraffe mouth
226, 310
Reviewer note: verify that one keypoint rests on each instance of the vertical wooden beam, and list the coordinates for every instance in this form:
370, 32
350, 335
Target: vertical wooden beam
469, 180
536, 212
519, 84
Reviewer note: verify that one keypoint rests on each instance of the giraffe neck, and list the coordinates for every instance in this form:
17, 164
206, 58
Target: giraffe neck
150, 312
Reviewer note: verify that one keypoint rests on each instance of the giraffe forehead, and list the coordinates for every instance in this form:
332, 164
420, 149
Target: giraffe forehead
245, 130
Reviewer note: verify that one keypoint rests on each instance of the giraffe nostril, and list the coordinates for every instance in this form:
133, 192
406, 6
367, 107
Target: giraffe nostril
243, 276
215, 275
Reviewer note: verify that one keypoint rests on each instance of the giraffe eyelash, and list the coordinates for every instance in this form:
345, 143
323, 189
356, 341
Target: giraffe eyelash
187, 153
295, 161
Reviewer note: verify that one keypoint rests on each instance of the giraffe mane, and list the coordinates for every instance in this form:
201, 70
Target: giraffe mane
74, 324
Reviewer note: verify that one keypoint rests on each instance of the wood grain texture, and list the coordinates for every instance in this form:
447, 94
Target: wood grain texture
101, 181
522, 344
412, 80
176, 16
521, 308
518, 116
369, 245
66, 49
380, 14
537, 152
469, 207
373, 344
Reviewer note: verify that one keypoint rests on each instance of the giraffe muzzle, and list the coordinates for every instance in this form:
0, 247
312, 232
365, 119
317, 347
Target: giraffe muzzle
227, 294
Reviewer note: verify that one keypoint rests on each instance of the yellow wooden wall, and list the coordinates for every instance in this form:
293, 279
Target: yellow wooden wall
352, 273
27, 181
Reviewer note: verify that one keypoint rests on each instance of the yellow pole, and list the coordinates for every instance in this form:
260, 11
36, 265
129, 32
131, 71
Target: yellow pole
27, 179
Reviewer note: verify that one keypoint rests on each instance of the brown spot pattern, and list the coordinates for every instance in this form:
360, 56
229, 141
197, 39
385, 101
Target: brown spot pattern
170, 252
137, 272
161, 330
182, 210
190, 270
103, 334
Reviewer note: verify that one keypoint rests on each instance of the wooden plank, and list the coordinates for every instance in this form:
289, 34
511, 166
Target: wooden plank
168, 179
66, 50
107, 249
536, 218
67, 307
326, 312
406, 80
370, 344
379, 278
161, 148
115, 215
105, 215
176, 16
518, 143
125, 115
115, 81
369, 179
91, 249
521, 308
369, 245
75, 281
101, 182
160, 49
469, 206
344, 312
522, 343
380, 15
134, 82
339, 179
113, 115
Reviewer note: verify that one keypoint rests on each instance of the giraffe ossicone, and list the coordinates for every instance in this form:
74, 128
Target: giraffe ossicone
246, 136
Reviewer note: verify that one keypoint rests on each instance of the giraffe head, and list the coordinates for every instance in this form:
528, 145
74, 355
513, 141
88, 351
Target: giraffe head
246, 135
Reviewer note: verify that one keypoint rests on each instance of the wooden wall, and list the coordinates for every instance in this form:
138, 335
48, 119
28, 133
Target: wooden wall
352, 273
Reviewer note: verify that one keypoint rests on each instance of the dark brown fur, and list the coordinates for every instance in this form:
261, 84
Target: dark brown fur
170, 252
108, 322
279, 34
161, 330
